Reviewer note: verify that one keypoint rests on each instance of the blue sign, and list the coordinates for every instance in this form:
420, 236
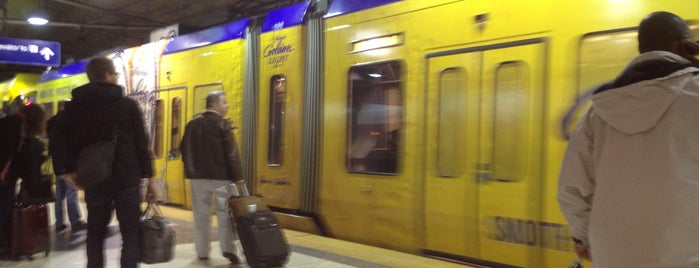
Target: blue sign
217, 34
284, 17
30, 52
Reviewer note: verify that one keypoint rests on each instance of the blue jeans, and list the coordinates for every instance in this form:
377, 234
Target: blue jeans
70, 195
101, 201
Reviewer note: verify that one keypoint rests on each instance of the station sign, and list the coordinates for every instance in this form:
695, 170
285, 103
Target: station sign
30, 52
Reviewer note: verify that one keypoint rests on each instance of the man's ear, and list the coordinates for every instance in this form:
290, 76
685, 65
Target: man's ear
690, 47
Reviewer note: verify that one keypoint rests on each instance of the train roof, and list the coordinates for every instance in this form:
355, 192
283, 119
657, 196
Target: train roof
285, 17
64, 71
229, 31
341, 7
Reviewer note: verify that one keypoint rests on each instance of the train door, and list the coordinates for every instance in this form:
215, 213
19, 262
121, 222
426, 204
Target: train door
451, 220
169, 128
484, 153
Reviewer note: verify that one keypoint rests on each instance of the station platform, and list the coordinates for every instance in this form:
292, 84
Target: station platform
308, 250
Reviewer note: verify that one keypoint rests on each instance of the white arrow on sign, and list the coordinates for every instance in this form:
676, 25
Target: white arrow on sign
46, 52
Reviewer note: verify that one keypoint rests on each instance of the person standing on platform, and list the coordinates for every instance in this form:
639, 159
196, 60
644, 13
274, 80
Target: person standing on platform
629, 182
211, 161
98, 109
64, 190
21, 156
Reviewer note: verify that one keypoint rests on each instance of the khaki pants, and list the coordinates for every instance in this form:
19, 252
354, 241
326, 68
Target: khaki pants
202, 191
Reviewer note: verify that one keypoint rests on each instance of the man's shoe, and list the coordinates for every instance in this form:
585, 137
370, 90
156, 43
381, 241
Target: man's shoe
232, 258
60, 228
80, 225
203, 258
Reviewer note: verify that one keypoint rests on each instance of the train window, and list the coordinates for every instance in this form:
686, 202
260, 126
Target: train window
451, 122
157, 145
511, 118
200, 92
374, 118
603, 56
175, 133
277, 95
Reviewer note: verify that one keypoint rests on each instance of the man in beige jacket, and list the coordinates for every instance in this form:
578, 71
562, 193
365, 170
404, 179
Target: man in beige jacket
629, 183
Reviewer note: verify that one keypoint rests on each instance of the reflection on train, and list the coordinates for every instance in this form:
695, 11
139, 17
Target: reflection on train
432, 127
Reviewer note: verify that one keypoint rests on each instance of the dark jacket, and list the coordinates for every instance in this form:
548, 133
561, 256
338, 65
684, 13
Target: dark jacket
27, 152
50, 131
10, 137
209, 150
96, 109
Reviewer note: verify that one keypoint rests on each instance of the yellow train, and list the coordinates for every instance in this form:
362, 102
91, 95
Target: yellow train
434, 127
18, 90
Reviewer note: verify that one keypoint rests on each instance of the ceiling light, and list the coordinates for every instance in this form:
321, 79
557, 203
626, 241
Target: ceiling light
38, 17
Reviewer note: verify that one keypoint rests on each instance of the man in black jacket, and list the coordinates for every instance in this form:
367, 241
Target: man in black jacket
211, 161
98, 109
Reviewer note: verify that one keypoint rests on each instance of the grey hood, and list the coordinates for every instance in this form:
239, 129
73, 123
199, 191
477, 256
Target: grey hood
638, 105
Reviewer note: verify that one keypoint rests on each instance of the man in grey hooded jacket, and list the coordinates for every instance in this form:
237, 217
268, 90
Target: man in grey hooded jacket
629, 183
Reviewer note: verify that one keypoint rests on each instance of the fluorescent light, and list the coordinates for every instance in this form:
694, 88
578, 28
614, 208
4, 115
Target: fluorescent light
37, 21
38, 17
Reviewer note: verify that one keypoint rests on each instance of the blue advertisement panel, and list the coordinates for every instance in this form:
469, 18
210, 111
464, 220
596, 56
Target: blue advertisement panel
341, 7
225, 32
285, 17
64, 71
30, 52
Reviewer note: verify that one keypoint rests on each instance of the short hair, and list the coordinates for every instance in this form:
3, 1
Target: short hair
34, 118
98, 68
660, 31
213, 98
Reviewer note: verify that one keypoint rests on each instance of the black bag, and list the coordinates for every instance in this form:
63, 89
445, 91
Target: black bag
95, 163
37, 192
157, 236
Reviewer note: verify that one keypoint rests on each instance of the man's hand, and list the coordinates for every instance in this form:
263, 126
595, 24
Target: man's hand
155, 191
70, 179
582, 251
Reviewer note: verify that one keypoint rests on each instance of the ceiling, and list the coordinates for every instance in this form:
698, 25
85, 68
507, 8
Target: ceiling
86, 28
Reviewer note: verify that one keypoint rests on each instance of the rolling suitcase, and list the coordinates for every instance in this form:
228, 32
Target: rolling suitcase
262, 239
259, 231
30, 230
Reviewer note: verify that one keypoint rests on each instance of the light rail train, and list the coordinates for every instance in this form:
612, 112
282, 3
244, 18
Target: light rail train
434, 127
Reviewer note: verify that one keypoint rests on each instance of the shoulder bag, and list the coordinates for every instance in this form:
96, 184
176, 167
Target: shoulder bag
95, 162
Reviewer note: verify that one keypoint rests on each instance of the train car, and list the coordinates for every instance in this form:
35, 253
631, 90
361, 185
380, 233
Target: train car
444, 121
191, 66
55, 86
431, 127
280, 115
18, 90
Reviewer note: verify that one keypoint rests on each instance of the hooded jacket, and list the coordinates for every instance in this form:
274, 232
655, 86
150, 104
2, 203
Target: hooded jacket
98, 109
629, 183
